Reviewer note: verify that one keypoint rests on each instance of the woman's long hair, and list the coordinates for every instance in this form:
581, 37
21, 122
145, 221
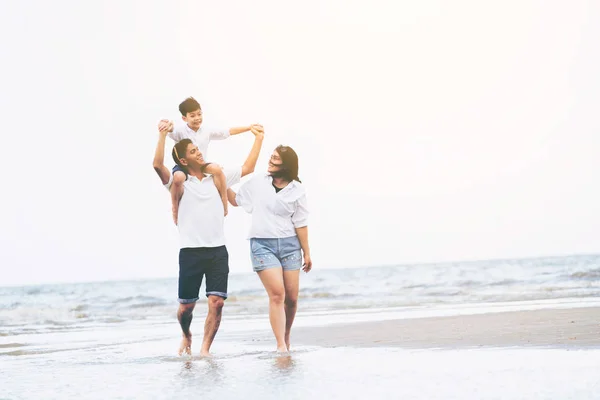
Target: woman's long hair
289, 166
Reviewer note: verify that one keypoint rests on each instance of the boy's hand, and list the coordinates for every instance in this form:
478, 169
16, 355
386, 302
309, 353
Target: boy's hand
165, 124
257, 126
258, 132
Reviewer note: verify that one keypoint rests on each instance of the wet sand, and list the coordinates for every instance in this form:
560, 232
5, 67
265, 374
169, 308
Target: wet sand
570, 328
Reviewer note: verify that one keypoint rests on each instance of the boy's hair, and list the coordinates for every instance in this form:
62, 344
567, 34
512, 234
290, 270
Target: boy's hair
179, 151
289, 159
188, 105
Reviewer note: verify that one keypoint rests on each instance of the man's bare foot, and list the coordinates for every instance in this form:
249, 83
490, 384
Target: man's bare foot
186, 345
287, 342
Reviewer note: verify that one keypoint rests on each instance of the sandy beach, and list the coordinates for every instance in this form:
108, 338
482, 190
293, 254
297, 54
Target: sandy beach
570, 328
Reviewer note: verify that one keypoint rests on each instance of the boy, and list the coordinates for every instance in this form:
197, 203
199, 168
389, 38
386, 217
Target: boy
191, 113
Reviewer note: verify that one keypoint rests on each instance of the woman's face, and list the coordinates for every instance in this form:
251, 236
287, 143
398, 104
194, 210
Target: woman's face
274, 163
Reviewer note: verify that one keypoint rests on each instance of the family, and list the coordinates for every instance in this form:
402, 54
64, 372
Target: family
200, 193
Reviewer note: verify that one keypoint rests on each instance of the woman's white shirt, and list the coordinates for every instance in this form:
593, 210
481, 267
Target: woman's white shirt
274, 215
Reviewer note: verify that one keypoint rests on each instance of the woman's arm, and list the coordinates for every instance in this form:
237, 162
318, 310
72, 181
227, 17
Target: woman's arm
300, 221
250, 162
303, 238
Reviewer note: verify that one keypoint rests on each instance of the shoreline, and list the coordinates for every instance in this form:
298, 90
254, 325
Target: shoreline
572, 328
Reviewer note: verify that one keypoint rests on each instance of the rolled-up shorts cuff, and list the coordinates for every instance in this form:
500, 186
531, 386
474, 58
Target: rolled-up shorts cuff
262, 267
220, 294
187, 301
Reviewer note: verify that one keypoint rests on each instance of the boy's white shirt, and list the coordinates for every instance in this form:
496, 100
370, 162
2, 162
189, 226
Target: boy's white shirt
201, 138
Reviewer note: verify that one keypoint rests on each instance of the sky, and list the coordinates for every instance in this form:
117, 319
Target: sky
427, 131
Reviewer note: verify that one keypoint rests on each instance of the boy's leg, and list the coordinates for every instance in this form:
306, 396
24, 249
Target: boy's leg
179, 177
220, 182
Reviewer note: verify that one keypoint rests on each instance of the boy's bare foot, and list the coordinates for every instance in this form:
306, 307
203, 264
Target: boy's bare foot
186, 345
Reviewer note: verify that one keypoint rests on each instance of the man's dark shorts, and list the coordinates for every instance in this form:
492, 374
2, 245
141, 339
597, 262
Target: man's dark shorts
196, 262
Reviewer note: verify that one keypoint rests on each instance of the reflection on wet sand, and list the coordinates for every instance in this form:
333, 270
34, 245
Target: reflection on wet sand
284, 363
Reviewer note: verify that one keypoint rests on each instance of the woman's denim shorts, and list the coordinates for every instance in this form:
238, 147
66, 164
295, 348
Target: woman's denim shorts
271, 253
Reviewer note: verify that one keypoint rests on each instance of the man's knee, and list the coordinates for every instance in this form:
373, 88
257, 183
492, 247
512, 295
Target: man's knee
186, 309
216, 302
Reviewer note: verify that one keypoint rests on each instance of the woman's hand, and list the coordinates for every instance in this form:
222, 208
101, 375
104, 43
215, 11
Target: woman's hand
307, 266
258, 131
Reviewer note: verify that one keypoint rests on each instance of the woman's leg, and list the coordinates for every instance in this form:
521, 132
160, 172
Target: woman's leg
272, 280
291, 283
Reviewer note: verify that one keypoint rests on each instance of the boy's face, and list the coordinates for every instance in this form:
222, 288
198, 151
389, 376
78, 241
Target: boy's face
193, 119
193, 156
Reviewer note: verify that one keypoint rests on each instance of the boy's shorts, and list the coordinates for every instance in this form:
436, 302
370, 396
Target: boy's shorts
194, 264
271, 253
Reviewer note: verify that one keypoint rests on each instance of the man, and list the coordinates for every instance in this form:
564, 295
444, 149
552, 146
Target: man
201, 232
191, 114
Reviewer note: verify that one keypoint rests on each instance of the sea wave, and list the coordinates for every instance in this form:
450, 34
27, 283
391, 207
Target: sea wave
72, 306
591, 275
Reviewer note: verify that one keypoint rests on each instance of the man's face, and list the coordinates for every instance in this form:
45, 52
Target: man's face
193, 156
194, 119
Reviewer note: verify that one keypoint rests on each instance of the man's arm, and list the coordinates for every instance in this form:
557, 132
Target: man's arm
176, 190
159, 155
250, 162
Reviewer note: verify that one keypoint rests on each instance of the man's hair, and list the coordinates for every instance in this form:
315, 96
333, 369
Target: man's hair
188, 105
289, 159
179, 151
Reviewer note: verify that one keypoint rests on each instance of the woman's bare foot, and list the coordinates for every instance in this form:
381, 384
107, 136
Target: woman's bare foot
205, 354
282, 349
186, 345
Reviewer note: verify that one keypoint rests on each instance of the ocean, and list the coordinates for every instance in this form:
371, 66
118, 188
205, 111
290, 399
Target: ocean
119, 339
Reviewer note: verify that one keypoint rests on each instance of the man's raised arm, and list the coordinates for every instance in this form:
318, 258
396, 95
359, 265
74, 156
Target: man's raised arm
250, 162
159, 154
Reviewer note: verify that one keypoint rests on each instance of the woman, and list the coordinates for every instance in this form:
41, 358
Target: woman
278, 234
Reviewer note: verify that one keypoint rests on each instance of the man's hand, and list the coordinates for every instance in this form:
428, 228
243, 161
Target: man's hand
307, 266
